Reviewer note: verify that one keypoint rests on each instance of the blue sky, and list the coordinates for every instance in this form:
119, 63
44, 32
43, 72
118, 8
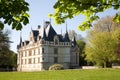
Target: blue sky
39, 10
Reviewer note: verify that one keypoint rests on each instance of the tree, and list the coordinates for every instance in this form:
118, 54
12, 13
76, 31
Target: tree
65, 9
12, 59
72, 33
81, 46
13, 12
7, 57
102, 44
4, 48
106, 24
102, 49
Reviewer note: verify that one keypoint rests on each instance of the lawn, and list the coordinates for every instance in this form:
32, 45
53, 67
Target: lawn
94, 74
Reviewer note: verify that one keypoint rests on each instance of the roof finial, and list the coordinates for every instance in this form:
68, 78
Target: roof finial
50, 20
66, 27
20, 36
61, 30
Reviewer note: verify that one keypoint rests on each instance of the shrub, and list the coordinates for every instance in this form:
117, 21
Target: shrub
56, 67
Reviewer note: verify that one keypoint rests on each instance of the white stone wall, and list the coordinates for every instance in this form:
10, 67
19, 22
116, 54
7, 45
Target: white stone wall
46, 58
63, 55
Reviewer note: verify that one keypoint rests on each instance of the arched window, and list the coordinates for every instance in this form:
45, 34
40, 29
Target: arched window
55, 59
55, 50
43, 51
56, 40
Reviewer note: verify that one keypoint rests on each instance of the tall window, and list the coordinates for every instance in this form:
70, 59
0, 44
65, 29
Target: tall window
43, 59
55, 50
34, 60
34, 51
42, 50
55, 59
39, 60
29, 61
25, 61
56, 41
21, 54
25, 53
30, 52
21, 61
38, 50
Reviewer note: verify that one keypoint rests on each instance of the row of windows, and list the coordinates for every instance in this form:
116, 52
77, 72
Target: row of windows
29, 61
34, 53
55, 43
24, 61
30, 52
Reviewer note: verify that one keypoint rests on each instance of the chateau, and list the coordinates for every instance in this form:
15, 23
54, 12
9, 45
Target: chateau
44, 48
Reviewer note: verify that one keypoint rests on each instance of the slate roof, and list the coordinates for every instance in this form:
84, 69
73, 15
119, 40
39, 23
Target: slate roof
44, 34
60, 38
66, 37
48, 33
35, 34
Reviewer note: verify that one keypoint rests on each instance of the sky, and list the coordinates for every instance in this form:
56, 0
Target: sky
39, 10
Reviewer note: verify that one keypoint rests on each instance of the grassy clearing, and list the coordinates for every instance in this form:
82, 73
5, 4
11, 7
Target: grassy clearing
96, 74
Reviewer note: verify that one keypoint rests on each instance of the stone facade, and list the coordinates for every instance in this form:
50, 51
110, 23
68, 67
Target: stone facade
45, 48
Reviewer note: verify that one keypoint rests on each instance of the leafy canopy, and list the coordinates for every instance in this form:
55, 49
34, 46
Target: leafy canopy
13, 12
65, 9
103, 40
102, 49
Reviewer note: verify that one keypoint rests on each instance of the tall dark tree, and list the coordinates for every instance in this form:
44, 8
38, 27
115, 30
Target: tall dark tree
7, 57
4, 48
81, 47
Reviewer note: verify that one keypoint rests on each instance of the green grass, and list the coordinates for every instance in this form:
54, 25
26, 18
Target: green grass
95, 74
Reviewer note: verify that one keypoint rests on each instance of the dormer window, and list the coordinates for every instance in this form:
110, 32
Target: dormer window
56, 40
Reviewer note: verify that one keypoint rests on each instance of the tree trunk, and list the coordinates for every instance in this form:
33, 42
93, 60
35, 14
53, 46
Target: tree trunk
104, 64
107, 64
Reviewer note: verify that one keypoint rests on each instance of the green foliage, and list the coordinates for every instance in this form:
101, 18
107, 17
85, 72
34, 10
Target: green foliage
94, 74
102, 44
13, 12
56, 67
101, 49
13, 59
117, 18
8, 58
81, 46
65, 9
